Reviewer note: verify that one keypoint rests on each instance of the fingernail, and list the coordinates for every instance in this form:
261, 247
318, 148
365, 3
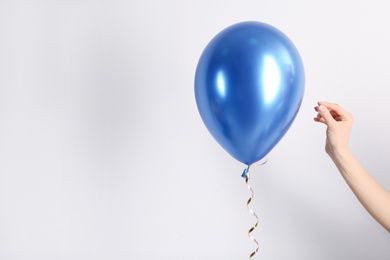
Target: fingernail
321, 108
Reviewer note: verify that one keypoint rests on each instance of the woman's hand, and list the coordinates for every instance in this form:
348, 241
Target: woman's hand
339, 123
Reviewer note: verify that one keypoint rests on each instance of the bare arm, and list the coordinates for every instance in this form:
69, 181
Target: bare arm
374, 198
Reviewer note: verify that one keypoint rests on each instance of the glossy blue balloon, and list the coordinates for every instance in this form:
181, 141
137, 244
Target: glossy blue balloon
249, 86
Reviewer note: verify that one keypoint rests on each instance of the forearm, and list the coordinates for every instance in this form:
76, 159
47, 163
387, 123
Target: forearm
371, 195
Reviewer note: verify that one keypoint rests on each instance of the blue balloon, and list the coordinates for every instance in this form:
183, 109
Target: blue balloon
249, 86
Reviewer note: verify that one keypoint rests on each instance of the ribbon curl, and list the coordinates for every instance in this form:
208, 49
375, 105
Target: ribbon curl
246, 175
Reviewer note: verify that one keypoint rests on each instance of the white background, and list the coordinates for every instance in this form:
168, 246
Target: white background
103, 154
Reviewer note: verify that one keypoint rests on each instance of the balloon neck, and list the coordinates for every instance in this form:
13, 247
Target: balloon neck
245, 172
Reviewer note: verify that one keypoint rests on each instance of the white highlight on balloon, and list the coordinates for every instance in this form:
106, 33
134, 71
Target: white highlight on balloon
271, 79
221, 84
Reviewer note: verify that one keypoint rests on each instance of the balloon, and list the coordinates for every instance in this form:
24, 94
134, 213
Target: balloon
249, 86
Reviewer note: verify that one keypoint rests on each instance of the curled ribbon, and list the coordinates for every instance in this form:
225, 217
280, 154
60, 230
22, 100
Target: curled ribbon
246, 175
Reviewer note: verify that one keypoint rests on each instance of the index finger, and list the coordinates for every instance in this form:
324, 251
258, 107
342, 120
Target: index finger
335, 108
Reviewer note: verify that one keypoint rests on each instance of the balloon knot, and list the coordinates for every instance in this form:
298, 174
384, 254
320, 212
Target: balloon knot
244, 173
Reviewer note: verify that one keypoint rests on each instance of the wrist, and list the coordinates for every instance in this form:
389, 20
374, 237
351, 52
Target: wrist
340, 154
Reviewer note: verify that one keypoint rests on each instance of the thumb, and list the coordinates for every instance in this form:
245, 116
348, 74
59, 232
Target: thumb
325, 114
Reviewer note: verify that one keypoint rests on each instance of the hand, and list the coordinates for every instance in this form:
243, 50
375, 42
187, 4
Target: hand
339, 123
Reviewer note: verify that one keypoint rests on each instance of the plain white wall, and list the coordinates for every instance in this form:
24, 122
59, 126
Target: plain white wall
103, 154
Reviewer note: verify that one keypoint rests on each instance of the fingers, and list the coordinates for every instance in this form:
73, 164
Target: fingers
324, 115
319, 119
337, 112
329, 113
